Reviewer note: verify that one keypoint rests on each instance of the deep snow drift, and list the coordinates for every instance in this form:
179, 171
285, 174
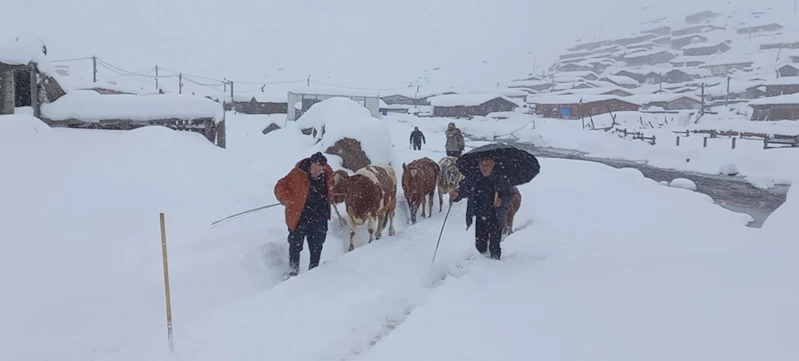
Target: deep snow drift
623, 268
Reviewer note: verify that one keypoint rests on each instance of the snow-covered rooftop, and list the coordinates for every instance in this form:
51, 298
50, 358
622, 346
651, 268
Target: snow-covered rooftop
468, 100
659, 97
620, 79
22, 52
334, 91
777, 100
90, 106
572, 98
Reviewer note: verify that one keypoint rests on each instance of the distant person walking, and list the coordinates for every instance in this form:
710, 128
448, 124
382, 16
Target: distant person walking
417, 138
306, 193
455, 143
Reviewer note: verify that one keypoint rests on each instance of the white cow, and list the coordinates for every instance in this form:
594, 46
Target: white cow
370, 196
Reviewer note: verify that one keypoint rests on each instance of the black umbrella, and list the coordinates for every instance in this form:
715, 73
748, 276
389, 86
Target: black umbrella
517, 164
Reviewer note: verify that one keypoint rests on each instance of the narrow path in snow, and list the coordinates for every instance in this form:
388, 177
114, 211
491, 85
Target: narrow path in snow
731, 193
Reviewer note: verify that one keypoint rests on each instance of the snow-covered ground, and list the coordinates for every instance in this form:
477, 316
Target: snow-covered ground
748, 157
622, 269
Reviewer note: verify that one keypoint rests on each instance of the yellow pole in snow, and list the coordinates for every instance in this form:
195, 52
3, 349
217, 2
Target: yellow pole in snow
166, 285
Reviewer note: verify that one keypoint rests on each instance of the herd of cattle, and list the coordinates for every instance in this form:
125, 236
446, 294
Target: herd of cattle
370, 194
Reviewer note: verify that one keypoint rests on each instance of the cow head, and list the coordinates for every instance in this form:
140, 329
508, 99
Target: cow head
451, 174
340, 186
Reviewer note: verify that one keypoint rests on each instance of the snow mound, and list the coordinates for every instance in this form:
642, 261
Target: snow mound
782, 222
760, 182
729, 169
683, 183
22, 125
664, 183
338, 118
90, 106
22, 132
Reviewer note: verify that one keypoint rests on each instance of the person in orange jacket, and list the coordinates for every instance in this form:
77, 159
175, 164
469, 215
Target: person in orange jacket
306, 192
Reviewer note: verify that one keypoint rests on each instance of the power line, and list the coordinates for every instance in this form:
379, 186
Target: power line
218, 82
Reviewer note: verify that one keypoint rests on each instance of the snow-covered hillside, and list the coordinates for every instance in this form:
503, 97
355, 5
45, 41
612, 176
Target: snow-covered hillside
629, 271
356, 43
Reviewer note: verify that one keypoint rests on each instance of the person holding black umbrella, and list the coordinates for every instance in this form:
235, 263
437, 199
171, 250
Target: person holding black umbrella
490, 172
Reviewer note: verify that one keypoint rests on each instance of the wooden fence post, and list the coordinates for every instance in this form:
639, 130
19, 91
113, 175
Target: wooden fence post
166, 285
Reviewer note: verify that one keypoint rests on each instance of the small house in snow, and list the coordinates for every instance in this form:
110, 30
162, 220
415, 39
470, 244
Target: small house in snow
619, 80
782, 86
21, 79
759, 28
408, 98
780, 45
697, 29
788, 70
783, 107
667, 101
260, 103
652, 57
580, 106
701, 16
654, 78
722, 68
682, 41
468, 105
301, 99
705, 49
661, 30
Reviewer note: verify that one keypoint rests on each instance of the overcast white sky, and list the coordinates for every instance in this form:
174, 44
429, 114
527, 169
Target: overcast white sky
365, 43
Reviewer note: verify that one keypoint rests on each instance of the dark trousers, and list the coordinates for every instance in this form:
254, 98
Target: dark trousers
315, 238
417, 146
488, 234
453, 153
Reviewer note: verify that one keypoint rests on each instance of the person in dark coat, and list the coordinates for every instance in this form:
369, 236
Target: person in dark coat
417, 138
489, 197
306, 193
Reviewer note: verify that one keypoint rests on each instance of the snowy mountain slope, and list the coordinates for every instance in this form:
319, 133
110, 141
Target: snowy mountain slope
356, 43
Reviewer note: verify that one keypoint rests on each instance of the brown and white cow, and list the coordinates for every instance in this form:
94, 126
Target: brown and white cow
370, 196
418, 182
514, 207
448, 179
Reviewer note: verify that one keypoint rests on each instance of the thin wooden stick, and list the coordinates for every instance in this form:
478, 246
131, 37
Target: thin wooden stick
166, 285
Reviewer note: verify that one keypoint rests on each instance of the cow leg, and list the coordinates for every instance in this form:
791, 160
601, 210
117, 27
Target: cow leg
440, 199
509, 224
414, 207
430, 202
341, 220
371, 227
352, 233
390, 216
424, 200
379, 229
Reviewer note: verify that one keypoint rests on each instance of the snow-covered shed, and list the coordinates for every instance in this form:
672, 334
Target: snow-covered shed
19, 76
580, 105
301, 99
271, 102
471, 104
90, 109
782, 107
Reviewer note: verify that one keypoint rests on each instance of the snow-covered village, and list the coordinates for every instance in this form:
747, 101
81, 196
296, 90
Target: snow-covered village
363, 180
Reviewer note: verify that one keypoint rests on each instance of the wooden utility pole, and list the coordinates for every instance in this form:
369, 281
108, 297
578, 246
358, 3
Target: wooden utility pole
180, 83
727, 98
94, 69
231, 92
156, 77
702, 111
